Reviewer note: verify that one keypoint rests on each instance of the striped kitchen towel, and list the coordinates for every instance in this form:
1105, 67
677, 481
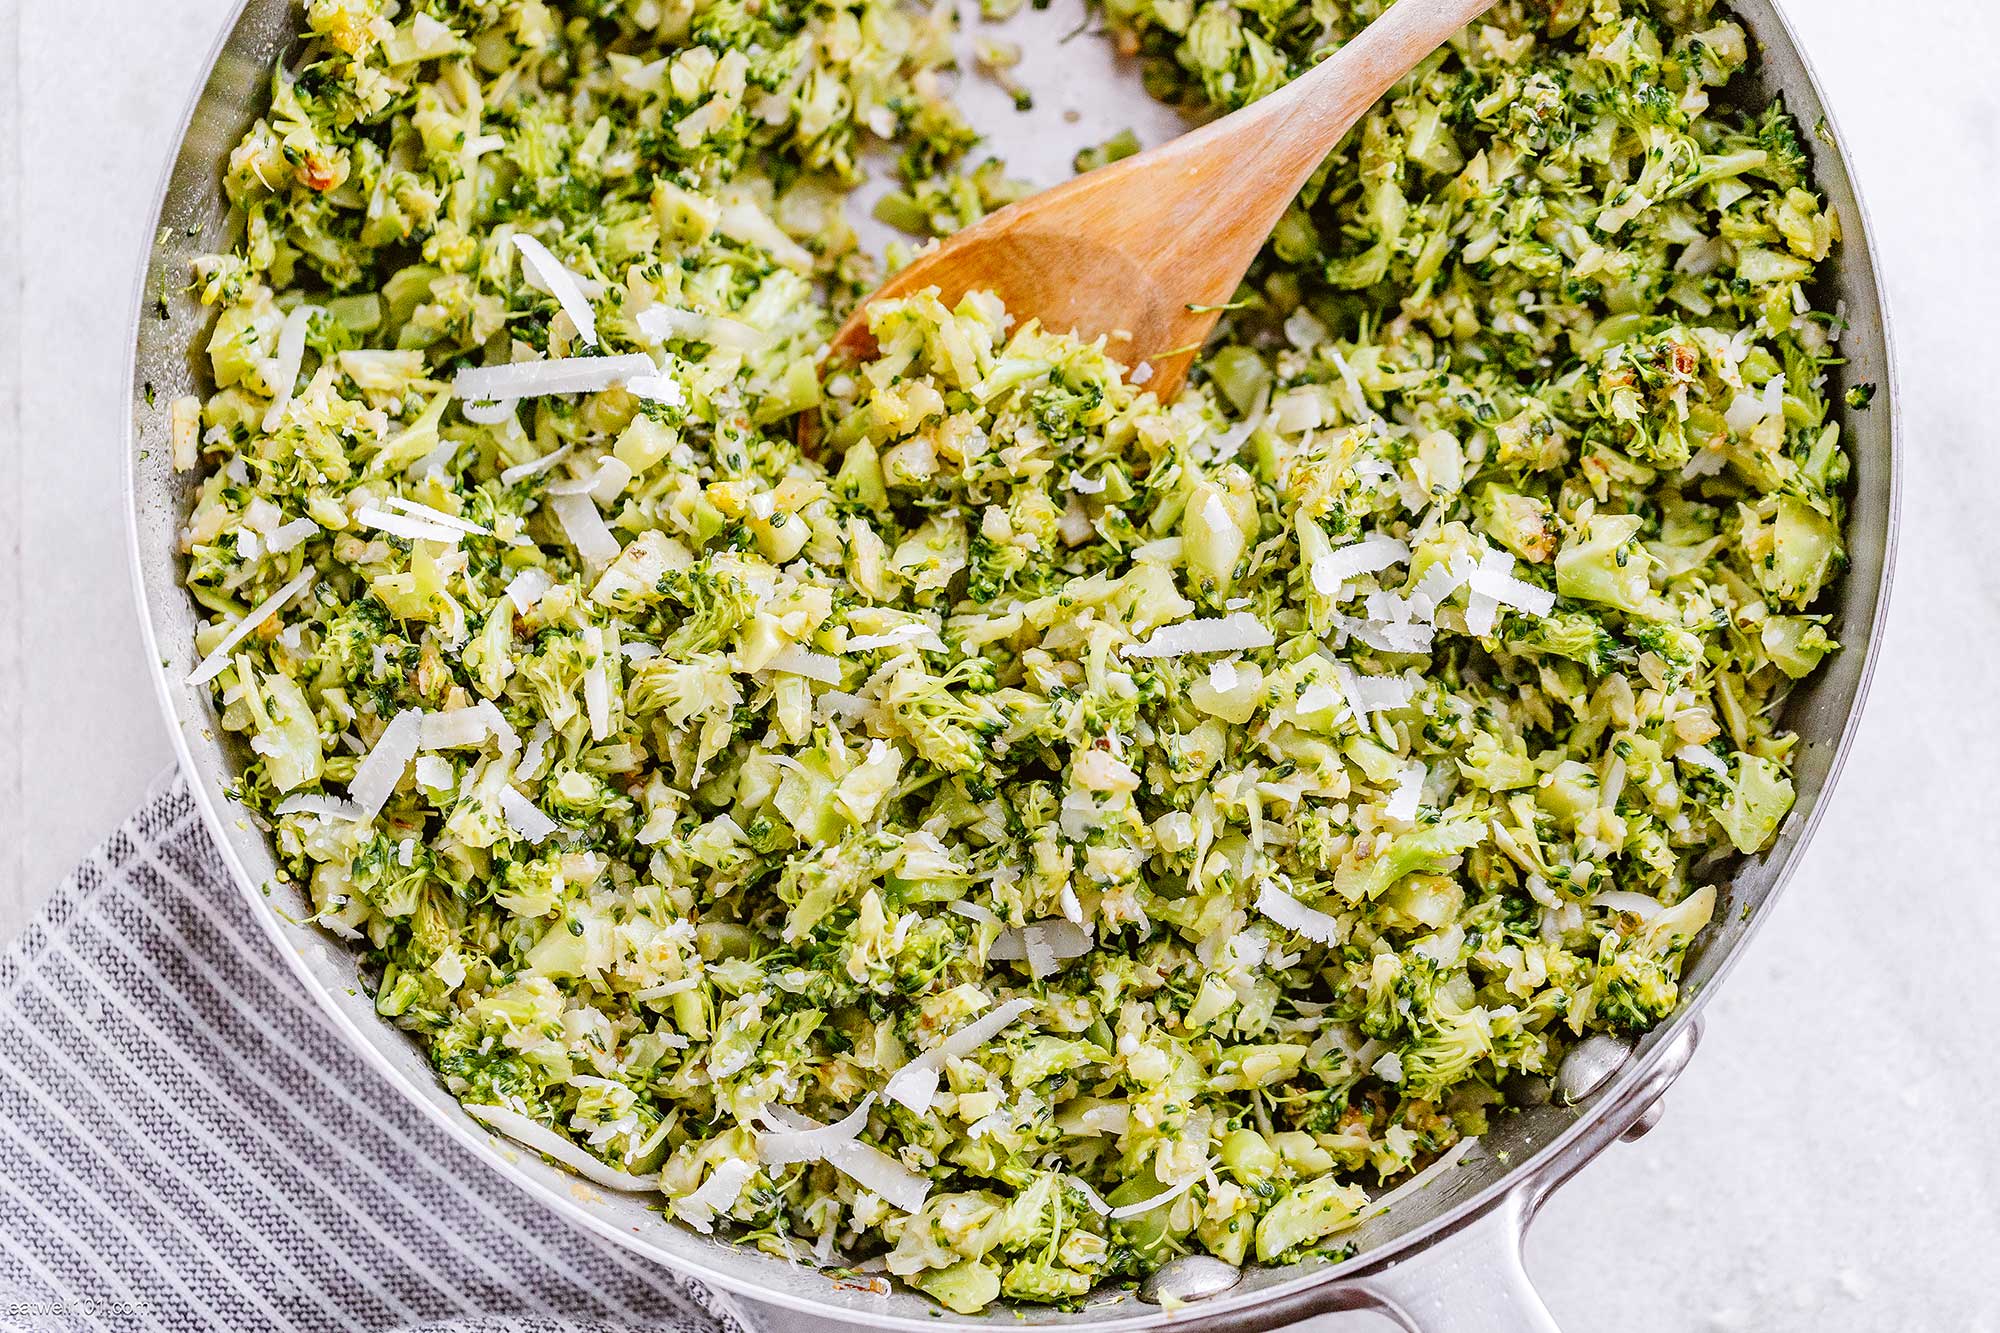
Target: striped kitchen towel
186, 1144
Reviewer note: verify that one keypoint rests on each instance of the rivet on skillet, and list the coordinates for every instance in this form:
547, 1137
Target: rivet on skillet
1648, 1118
1192, 1277
1590, 1065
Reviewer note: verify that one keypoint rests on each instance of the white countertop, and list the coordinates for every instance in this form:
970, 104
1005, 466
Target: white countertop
1829, 1163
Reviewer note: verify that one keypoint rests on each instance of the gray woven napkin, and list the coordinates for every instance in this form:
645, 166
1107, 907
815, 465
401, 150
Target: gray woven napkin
186, 1144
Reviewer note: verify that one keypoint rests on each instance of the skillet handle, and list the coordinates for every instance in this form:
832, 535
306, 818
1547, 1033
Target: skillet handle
1472, 1281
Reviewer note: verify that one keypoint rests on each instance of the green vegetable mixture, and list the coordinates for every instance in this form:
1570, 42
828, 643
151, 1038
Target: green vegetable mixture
1042, 830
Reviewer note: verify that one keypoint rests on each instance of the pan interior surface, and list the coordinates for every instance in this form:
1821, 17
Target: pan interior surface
1521, 1148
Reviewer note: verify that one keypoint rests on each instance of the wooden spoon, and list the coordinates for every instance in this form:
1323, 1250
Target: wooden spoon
1145, 250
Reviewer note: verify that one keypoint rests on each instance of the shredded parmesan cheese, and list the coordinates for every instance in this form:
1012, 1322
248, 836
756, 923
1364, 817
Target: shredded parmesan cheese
528, 587
376, 776
536, 379
310, 803
1624, 900
1295, 916
596, 684
916, 1082
287, 535
717, 1194
406, 526
613, 475
862, 643
284, 369
185, 416
1160, 1200
1370, 555
1090, 1196
1225, 634
585, 528
547, 1142
1402, 804
1507, 590
1700, 756
1374, 694
520, 472
799, 1138
450, 731
523, 816
1042, 944
212, 666
434, 773
534, 752
1747, 410
793, 660
560, 283
660, 388
430, 514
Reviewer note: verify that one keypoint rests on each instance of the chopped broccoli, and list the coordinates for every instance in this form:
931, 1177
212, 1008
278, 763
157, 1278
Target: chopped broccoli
1194, 807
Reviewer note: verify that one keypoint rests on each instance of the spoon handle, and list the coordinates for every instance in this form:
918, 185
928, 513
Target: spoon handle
1317, 108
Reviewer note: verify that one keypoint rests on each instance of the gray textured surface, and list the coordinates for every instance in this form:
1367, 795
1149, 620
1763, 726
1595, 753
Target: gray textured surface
82, 734
1828, 1162
13, 903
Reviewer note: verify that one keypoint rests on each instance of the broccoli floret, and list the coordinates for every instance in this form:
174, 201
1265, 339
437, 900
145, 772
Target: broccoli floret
1118, 147
1760, 794
1407, 853
944, 717
1493, 764
1634, 991
1796, 644
714, 604
1607, 564
1679, 650
348, 643
1576, 635
1521, 523
1805, 551
1448, 1046
1778, 135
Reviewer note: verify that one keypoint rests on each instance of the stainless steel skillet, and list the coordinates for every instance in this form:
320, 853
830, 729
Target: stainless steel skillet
1448, 1257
